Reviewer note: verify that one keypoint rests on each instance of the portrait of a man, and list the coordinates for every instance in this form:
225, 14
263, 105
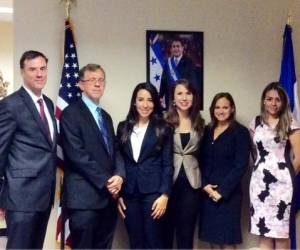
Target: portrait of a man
174, 55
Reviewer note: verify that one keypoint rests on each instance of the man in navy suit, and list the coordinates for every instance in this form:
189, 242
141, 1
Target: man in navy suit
92, 175
27, 156
179, 66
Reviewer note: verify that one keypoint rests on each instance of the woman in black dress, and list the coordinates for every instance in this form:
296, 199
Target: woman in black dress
224, 158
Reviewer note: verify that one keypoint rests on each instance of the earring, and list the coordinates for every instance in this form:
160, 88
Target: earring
174, 104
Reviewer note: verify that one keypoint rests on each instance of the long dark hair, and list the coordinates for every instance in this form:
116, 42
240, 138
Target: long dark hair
218, 96
155, 117
282, 128
194, 113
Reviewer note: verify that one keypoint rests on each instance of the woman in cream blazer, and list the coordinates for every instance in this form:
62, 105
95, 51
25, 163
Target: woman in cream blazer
187, 158
183, 207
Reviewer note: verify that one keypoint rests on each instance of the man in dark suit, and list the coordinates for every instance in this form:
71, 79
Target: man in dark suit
92, 175
28, 156
178, 66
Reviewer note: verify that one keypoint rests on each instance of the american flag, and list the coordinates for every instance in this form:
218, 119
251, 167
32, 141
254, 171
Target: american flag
68, 92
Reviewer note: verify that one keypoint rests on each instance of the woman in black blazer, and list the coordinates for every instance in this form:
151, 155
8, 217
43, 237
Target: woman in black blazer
183, 207
145, 142
225, 152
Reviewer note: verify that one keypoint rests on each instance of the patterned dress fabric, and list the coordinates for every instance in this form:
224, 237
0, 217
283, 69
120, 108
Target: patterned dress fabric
271, 184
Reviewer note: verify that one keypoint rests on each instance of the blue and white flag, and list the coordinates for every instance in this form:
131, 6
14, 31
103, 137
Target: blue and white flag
289, 82
156, 60
288, 75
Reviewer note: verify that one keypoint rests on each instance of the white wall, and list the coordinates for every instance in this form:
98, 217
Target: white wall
6, 52
242, 44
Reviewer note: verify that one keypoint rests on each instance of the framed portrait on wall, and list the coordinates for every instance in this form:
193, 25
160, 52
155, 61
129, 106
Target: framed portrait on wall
173, 55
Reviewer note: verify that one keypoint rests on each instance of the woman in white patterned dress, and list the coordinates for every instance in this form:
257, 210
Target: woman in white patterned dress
275, 134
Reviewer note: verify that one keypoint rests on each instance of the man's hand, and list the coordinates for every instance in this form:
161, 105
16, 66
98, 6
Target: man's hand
114, 184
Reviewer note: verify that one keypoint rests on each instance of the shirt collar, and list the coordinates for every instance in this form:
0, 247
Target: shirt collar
178, 58
34, 97
89, 103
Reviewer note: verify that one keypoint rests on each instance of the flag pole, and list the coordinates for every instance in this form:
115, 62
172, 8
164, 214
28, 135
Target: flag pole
68, 5
289, 18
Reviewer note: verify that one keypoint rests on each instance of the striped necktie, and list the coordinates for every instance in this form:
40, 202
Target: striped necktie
103, 130
44, 118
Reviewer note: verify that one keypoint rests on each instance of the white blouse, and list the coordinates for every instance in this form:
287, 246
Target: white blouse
136, 139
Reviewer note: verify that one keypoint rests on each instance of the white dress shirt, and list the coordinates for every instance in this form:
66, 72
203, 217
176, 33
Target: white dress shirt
47, 113
136, 139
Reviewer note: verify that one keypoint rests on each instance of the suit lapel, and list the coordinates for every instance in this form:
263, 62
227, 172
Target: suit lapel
192, 143
148, 141
90, 120
110, 131
181, 63
32, 108
128, 148
177, 140
51, 111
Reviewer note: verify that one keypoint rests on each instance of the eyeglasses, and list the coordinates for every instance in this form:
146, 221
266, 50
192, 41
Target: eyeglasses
95, 80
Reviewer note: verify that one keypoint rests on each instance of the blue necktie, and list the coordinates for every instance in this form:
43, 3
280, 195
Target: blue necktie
103, 130
176, 61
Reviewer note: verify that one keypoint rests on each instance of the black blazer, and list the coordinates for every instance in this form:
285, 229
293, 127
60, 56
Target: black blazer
88, 165
27, 157
153, 172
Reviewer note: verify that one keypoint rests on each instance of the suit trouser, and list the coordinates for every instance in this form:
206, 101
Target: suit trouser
181, 215
144, 232
26, 230
93, 229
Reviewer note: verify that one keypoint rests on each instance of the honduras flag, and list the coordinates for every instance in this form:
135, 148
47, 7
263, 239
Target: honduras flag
156, 60
289, 82
288, 75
